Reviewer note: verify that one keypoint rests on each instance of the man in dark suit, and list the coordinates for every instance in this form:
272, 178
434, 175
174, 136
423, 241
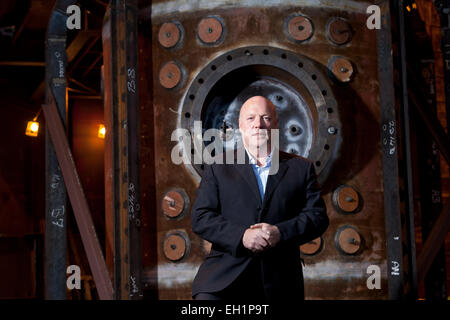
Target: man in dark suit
256, 219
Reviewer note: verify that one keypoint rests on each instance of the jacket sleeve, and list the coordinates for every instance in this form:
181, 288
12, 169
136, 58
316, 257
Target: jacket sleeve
207, 220
312, 221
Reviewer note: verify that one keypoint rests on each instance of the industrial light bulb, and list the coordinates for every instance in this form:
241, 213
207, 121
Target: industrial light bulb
32, 129
101, 131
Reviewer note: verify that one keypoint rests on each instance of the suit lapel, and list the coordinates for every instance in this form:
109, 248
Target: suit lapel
273, 180
246, 171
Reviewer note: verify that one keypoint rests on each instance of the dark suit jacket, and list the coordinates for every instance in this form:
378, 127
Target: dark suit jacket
228, 202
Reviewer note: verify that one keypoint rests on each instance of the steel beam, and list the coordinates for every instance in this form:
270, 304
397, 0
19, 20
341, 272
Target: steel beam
56, 198
406, 137
78, 201
121, 112
72, 50
109, 144
389, 128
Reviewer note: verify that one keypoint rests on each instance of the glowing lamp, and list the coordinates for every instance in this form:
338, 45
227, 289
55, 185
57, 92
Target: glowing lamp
32, 128
101, 131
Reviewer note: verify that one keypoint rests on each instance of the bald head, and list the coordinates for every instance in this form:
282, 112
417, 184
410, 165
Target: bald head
259, 102
256, 118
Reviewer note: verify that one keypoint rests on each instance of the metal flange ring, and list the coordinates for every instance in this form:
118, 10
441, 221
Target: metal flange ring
298, 87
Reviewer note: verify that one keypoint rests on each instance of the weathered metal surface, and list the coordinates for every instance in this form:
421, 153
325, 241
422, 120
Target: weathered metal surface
132, 182
175, 247
78, 201
339, 31
300, 28
170, 75
342, 69
354, 157
399, 12
312, 247
346, 199
390, 156
175, 203
56, 197
123, 117
348, 240
149, 215
169, 35
109, 144
210, 30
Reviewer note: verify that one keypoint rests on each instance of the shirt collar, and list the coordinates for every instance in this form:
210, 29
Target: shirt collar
253, 161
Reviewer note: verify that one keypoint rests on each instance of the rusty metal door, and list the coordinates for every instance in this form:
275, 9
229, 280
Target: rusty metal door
324, 70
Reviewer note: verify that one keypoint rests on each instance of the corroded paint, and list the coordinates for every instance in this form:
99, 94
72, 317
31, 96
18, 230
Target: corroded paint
329, 274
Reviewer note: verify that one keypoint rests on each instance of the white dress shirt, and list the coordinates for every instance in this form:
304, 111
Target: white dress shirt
261, 173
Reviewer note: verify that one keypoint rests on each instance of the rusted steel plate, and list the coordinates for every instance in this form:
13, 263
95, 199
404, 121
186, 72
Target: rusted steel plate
328, 272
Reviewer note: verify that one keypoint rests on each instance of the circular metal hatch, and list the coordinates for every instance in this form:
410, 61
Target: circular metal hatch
307, 110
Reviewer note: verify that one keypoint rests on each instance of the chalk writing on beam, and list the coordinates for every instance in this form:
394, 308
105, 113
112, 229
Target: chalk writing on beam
57, 215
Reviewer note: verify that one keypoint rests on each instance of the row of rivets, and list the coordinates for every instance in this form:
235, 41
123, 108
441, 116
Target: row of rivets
299, 28
176, 243
171, 73
209, 31
346, 200
347, 240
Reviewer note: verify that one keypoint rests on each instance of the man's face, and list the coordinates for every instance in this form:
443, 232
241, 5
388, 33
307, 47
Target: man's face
256, 119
